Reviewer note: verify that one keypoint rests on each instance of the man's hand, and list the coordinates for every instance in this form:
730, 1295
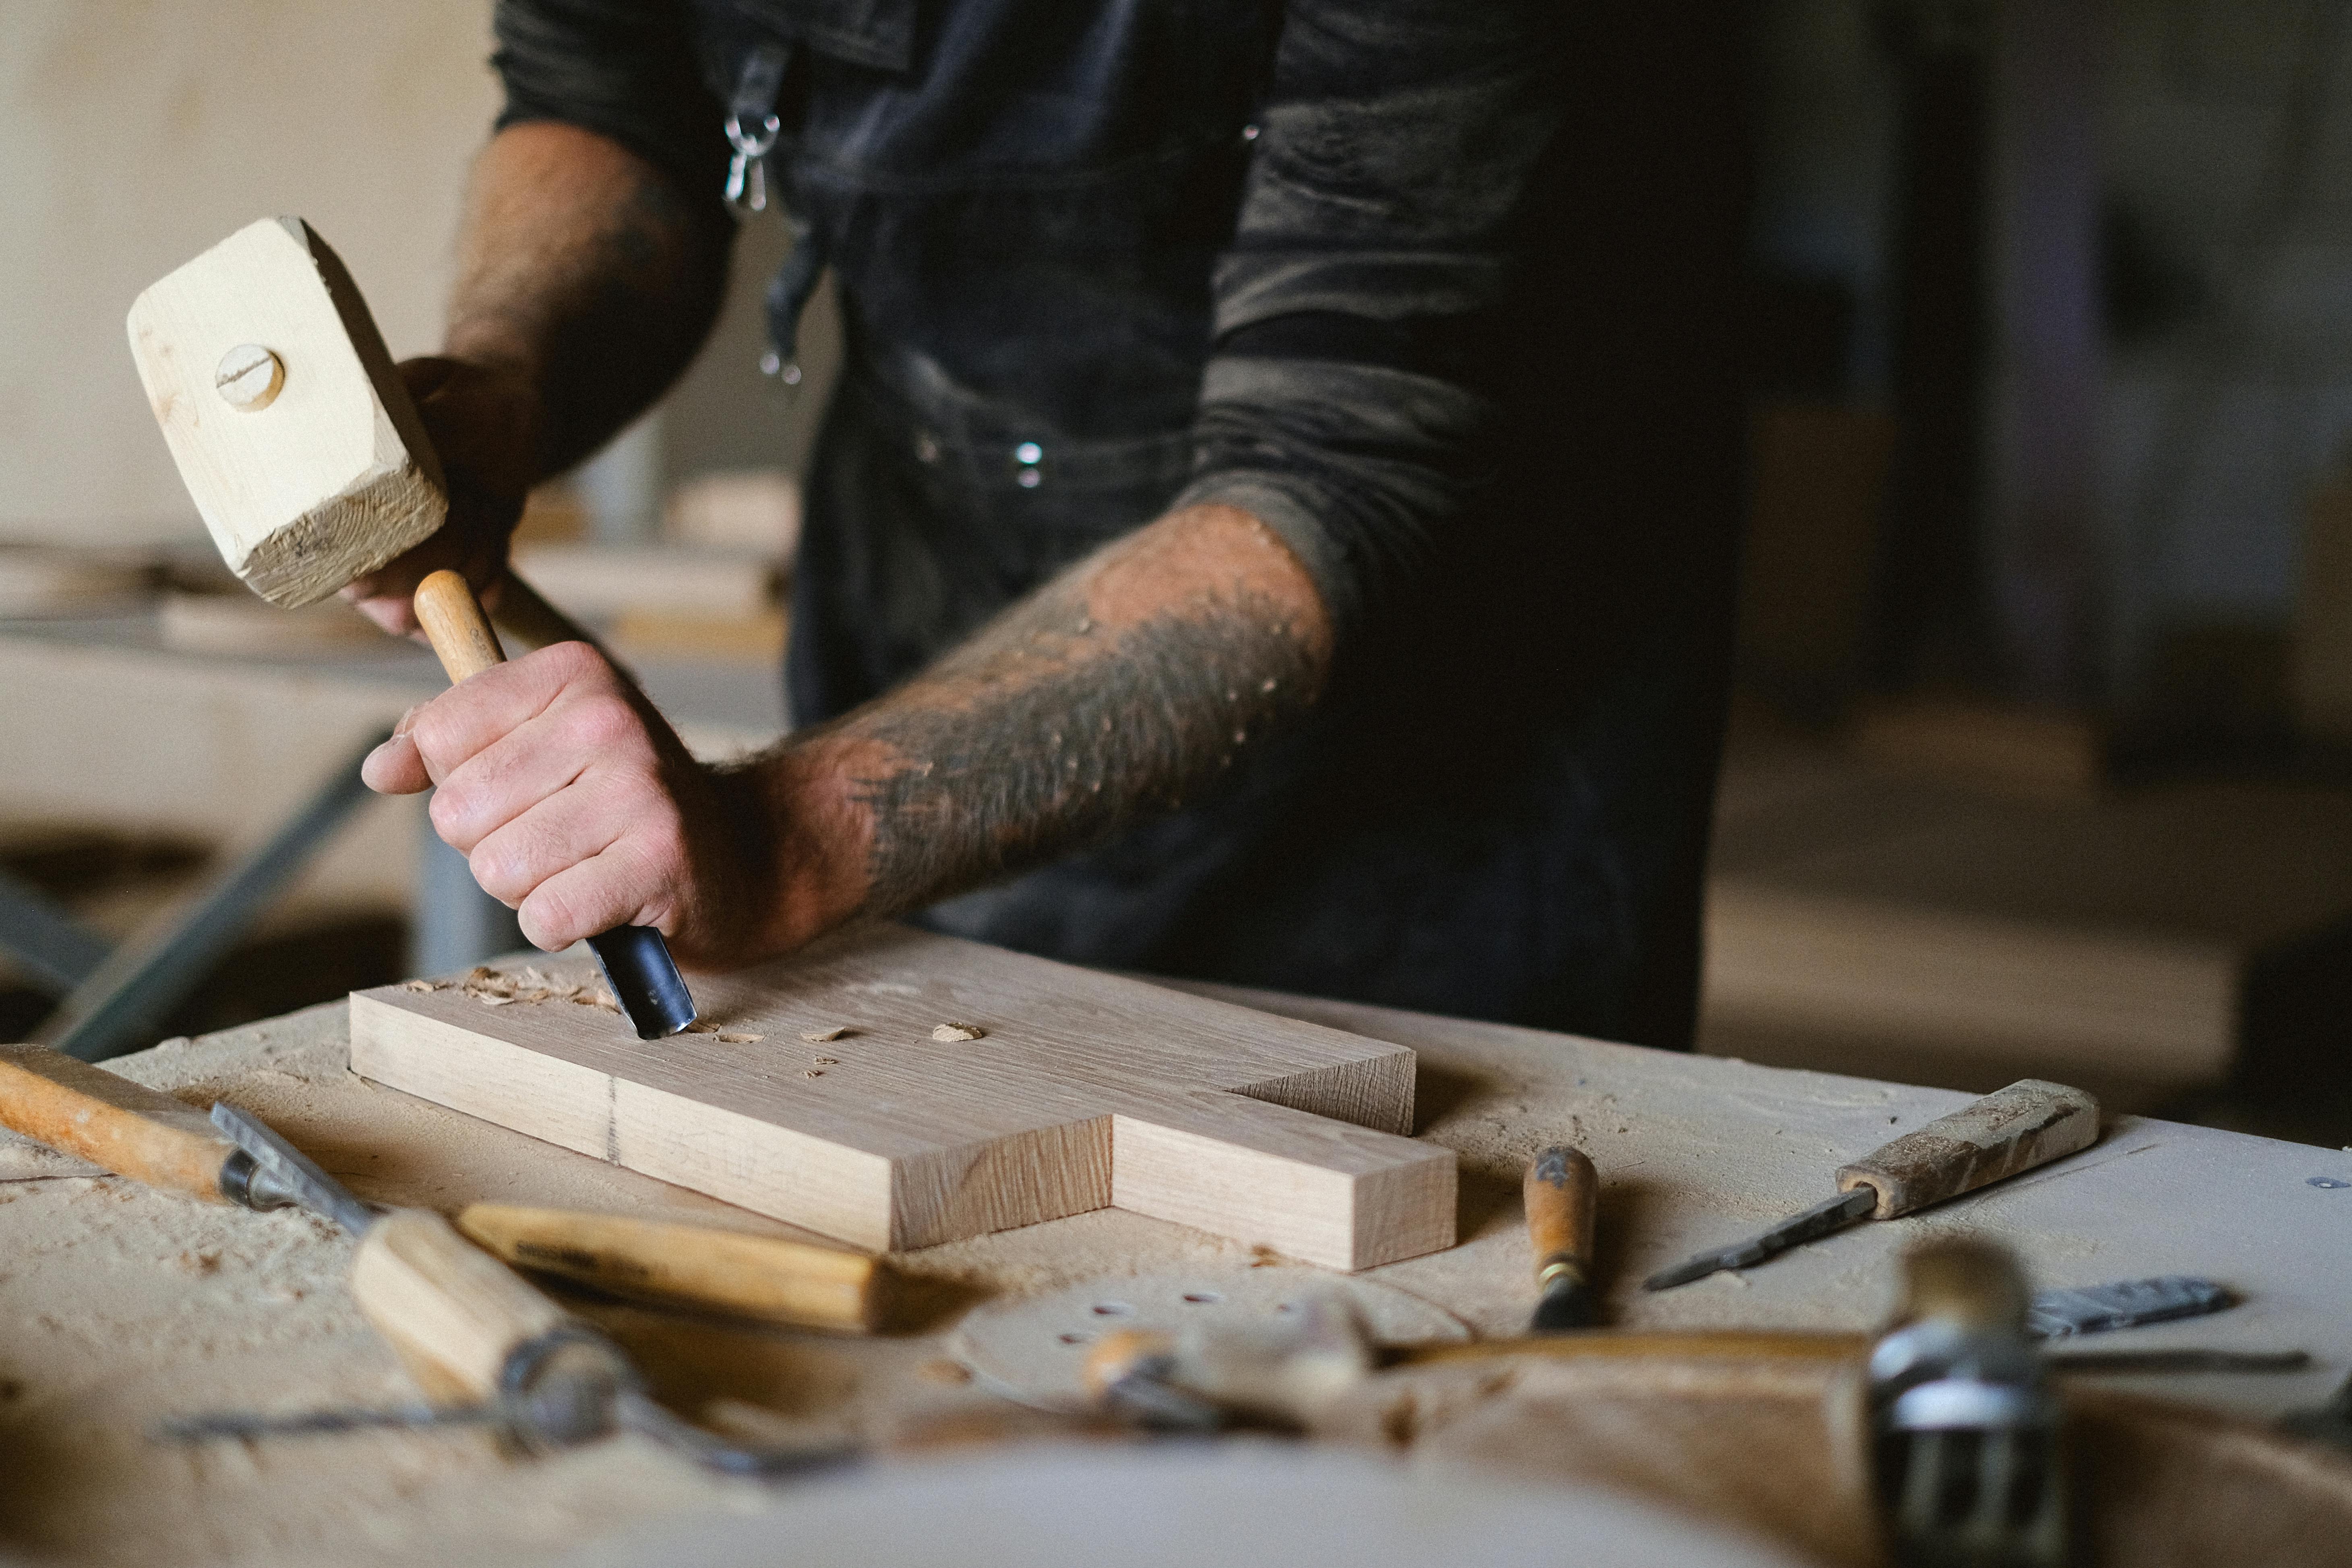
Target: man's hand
483, 420
582, 812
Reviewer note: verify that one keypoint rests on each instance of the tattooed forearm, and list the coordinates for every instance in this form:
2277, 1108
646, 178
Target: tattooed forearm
1121, 688
588, 269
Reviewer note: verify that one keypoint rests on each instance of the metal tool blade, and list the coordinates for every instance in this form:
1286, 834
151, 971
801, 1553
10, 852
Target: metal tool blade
2065, 1311
1829, 1214
288, 1170
1567, 1304
238, 1423
645, 980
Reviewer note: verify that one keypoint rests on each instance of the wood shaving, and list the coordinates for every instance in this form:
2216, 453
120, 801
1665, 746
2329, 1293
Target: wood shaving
740, 1039
422, 985
828, 1061
493, 989
948, 1033
817, 1072
820, 1036
699, 1028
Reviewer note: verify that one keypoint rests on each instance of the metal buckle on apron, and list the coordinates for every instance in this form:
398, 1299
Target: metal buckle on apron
754, 104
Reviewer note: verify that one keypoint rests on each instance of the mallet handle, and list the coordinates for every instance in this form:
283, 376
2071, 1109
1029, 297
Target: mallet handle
454, 623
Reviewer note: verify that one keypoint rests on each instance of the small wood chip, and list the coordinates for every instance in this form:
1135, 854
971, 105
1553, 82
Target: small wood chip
828, 1061
740, 1039
817, 1072
420, 985
699, 1028
819, 1036
948, 1033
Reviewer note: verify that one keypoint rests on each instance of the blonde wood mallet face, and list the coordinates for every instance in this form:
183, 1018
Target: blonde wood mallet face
297, 439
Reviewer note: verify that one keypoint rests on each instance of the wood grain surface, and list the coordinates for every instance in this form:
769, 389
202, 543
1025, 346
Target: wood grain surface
1082, 1090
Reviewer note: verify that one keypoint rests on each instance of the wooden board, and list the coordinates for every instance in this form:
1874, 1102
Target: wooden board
1085, 1090
325, 472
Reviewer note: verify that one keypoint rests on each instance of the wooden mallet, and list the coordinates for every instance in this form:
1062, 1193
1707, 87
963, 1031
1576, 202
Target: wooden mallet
305, 454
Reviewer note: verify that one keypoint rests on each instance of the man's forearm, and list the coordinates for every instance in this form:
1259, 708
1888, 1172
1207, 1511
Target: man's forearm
584, 269
1122, 688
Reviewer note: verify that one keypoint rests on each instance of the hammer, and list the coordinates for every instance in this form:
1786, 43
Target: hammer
305, 454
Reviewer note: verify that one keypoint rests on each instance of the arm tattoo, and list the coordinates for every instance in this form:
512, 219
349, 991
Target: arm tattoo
1048, 732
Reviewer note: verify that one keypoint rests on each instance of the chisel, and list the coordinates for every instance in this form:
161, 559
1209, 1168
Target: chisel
480, 1340
2029, 1123
1560, 1189
151, 1137
635, 960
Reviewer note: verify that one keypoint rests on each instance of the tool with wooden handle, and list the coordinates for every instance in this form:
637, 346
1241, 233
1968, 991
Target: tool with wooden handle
635, 960
151, 1137
2030, 1124
1561, 1188
126, 1128
758, 1277
473, 1334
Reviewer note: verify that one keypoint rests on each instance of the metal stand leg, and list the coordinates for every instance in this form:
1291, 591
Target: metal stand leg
453, 923
58, 950
118, 1004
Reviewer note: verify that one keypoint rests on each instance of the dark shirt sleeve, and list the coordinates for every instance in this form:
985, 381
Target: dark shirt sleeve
625, 69
1343, 404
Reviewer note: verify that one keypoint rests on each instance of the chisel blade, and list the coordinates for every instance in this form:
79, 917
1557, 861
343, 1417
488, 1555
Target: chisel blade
645, 980
290, 1172
1829, 1214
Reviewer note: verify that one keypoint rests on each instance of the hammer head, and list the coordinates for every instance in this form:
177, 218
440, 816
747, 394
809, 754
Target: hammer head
300, 447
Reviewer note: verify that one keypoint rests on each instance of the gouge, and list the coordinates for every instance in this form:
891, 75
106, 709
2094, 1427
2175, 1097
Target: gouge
2029, 1123
635, 960
149, 1136
477, 1338
1560, 1189
127, 1128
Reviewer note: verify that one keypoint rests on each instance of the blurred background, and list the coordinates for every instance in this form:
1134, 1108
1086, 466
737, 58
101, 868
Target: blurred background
2042, 757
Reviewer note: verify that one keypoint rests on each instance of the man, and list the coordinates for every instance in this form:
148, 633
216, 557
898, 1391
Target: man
1272, 527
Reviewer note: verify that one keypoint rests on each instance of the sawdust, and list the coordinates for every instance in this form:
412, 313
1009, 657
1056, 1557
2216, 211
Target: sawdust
950, 1034
826, 1037
120, 1306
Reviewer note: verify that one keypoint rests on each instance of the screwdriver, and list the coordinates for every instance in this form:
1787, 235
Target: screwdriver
2030, 1124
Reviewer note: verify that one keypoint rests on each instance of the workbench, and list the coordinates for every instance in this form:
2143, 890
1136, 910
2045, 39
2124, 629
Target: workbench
120, 1306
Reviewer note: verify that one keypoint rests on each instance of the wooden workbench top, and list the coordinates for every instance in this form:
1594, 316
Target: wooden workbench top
120, 1306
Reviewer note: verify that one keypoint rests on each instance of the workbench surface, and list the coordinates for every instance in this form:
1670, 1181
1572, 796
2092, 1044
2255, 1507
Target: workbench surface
120, 1306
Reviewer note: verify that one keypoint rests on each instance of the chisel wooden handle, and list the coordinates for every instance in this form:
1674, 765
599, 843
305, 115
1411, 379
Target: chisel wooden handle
458, 1316
2015, 1129
1560, 1189
727, 1272
130, 1129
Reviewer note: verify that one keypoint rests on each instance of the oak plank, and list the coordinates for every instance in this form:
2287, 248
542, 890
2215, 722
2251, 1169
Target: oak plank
1268, 1129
